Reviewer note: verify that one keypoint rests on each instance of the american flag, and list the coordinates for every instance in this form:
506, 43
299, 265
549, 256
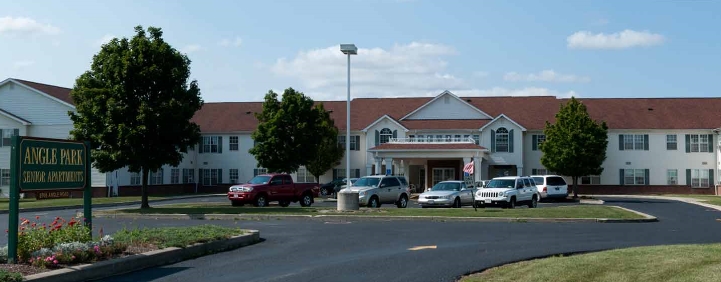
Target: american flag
468, 168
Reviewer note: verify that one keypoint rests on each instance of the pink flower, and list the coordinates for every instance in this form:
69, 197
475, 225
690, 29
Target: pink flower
55, 261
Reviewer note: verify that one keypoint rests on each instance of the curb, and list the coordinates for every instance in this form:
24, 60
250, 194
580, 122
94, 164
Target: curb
685, 200
145, 260
647, 218
109, 204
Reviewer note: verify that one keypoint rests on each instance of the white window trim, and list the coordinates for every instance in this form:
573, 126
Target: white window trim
592, 179
630, 142
233, 178
5, 177
701, 147
386, 134
174, 176
135, 178
499, 138
210, 142
669, 179
231, 143
697, 175
674, 142
635, 176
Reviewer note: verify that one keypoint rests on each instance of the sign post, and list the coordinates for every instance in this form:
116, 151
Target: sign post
46, 165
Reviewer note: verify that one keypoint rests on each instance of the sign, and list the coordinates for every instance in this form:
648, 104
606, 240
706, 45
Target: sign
52, 195
46, 164
388, 171
50, 166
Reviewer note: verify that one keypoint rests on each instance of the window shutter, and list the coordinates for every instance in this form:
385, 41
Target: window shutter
645, 142
357, 173
710, 177
220, 144
493, 140
335, 174
710, 142
647, 180
688, 176
510, 141
621, 177
395, 133
357, 142
534, 171
220, 176
534, 145
16, 132
378, 138
200, 146
620, 142
255, 172
688, 144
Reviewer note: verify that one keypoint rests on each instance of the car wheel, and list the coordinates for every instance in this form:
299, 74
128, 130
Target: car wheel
457, 203
261, 201
373, 202
236, 203
284, 203
403, 202
512, 203
306, 200
533, 203
324, 192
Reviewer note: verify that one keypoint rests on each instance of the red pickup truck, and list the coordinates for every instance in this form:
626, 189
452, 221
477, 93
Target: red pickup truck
266, 188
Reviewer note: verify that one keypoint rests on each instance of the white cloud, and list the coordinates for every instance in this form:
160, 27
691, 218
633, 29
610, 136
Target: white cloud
23, 25
402, 70
523, 92
22, 64
190, 48
231, 42
620, 40
105, 39
545, 75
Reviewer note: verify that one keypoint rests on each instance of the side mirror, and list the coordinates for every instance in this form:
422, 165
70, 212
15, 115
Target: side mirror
381, 186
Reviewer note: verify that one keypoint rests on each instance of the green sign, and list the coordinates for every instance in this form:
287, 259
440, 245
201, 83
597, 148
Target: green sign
41, 164
47, 164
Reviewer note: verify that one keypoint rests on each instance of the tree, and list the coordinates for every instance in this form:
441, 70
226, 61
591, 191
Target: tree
134, 105
575, 145
328, 153
287, 133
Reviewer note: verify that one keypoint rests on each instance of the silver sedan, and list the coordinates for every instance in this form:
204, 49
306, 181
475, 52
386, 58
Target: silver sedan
447, 194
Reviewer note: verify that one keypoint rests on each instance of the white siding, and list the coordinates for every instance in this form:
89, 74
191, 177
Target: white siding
447, 107
8, 123
32, 106
515, 158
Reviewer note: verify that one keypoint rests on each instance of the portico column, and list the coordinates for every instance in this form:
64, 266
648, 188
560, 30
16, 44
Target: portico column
519, 170
389, 165
378, 166
478, 170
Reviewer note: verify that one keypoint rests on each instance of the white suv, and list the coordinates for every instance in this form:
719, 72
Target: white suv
381, 189
508, 191
551, 186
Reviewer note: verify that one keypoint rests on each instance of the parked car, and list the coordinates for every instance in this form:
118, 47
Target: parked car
373, 191
508, 191
344, 184
551, 186
480, 184
266, 188
334, 186
447, 194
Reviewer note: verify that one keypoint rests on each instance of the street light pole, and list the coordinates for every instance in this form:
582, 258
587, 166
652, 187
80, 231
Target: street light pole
348, 49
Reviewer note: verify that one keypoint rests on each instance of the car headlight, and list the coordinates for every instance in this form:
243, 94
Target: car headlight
362, 193
444, 197
241, 189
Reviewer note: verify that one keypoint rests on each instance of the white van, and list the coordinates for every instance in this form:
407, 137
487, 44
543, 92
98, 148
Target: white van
551, 186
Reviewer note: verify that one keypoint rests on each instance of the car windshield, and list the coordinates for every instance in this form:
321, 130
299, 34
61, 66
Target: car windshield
538, 180
260, 179
367, 181
501, 183
447, 186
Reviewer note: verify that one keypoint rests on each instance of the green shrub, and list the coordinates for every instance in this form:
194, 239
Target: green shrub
6, 276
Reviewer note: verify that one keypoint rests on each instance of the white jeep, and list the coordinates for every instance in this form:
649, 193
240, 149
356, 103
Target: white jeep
508, 192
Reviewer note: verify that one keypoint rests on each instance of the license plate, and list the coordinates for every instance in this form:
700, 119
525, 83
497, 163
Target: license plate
431, 201
557, 188
235, 196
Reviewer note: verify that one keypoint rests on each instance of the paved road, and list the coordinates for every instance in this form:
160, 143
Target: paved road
297, 250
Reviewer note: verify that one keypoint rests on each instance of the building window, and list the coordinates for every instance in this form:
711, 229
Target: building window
211, 176
672, 176
699, 143
634, 176
411, 138
304, 176
457, 138
355, 143
134, 178
4, 177
671, 142
699, 178
591, 180
502, 140
233, 143
421, 138
385, 135
156, 177
340, 173
174, 176
341, 141
7, 135
233, 173
439, 138
449, 138
538, 139
188, 175
634, 141
477, 139
211, 144
259, 171
539, 171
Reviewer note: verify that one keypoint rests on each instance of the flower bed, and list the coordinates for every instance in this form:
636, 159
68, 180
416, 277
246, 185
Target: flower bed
43, 247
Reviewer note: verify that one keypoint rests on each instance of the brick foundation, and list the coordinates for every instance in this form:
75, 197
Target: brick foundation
641, 189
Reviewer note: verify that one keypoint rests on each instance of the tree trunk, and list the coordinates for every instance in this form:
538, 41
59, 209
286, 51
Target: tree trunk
575, 187
144, 190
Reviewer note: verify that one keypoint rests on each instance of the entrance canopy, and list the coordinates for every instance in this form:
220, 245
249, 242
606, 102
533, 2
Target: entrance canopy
429, 150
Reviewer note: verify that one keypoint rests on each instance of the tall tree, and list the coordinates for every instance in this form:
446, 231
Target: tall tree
327, 153
135, 104
575, 145
287, 133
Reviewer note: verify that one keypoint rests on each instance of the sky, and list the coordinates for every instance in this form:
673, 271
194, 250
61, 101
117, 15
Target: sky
242, 49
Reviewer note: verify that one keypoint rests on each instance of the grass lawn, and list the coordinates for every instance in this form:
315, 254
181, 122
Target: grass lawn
32, 203
643, 264
175, 236
709, 199
581, 211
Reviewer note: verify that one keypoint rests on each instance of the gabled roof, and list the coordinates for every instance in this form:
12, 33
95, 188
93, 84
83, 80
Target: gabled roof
379, 120
499, 117
14, 117
60, 94
446, 93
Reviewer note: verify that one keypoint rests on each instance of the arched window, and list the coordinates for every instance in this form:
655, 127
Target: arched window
386, 135
501, 140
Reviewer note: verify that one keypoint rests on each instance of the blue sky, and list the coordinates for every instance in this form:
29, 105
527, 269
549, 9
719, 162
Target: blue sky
242, 49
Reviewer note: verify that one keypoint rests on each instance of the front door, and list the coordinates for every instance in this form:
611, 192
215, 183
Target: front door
443, 174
